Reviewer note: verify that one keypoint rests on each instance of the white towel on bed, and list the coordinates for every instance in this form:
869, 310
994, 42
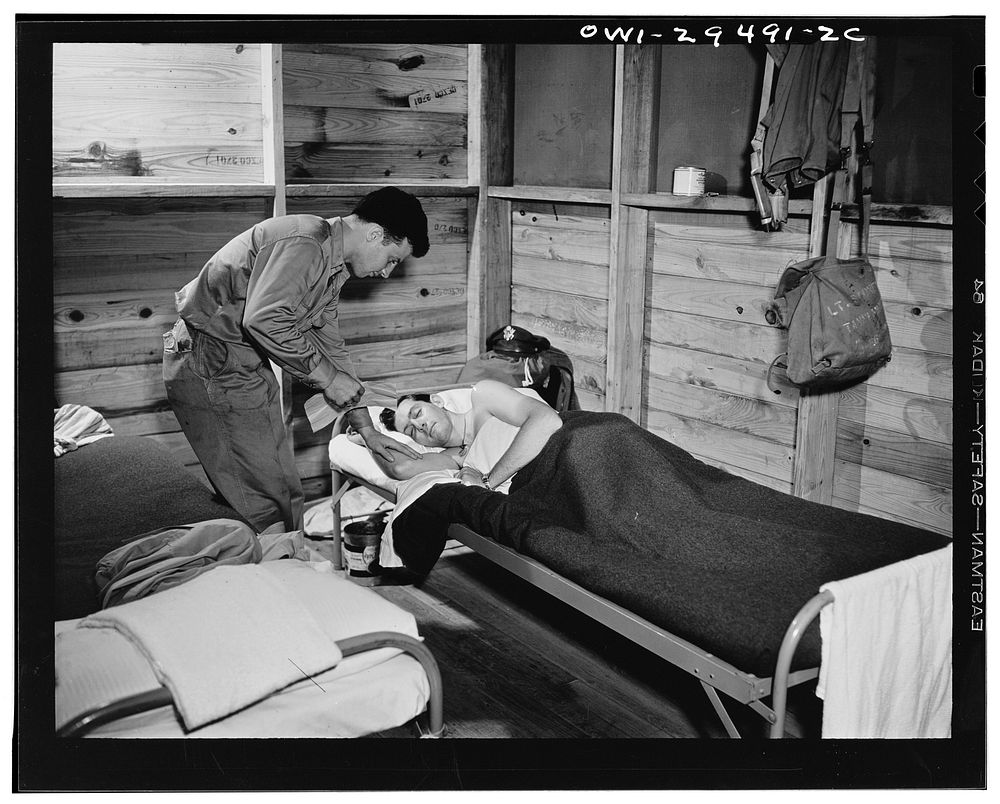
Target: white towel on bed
76, 425
406, 493
886, 660
223, 640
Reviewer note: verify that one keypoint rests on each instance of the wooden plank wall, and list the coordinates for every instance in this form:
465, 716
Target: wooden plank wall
157, 111
178, 113
116, 265
709, 348
375, 112
560, 286
709, 99
408, 330
563, 97
894, 432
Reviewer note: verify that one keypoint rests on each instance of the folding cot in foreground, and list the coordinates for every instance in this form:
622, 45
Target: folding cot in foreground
280, 648
720, 576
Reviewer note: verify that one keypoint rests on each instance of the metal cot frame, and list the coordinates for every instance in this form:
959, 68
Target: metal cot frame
154, 699
714, 674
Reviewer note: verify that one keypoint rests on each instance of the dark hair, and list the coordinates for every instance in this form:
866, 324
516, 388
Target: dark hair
388, 415
399, 213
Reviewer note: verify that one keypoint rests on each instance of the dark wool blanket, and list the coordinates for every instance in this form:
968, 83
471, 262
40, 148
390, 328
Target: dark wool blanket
108, 493
715, 559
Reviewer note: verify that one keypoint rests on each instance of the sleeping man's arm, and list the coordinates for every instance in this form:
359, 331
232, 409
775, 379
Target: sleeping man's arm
536, 420
403, 468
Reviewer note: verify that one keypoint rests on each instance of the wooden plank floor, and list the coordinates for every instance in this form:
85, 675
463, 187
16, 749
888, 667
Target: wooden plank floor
515, 662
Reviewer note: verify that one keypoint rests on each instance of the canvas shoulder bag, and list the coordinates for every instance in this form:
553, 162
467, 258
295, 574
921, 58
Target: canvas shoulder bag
831, 307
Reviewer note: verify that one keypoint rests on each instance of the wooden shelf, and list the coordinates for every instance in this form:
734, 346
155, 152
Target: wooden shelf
903, 213
423, 190
707, 203
146, 189
565, 195
584, 195
884, 213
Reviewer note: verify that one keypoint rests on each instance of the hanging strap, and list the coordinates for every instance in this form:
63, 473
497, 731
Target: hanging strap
858, 103
757, 148
867, 110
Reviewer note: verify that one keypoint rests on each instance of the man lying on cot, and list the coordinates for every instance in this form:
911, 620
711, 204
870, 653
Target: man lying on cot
505, 413
587, 482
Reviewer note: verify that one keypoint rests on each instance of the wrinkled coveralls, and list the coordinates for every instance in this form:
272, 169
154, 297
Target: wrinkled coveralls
270, 293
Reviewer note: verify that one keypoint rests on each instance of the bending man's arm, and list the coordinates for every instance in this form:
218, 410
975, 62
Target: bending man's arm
282, 276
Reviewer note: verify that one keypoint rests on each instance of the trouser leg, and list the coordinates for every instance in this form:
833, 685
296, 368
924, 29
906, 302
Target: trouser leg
227, 402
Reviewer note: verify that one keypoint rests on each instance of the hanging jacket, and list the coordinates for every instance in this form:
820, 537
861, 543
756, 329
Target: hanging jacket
802, 143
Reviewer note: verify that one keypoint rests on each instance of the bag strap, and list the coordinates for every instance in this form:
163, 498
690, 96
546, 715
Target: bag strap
858, 103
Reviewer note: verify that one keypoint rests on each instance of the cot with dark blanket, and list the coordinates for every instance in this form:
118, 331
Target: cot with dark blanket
712, 572
109, 492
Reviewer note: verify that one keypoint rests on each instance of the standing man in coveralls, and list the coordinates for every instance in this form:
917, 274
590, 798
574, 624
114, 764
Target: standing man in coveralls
271, 293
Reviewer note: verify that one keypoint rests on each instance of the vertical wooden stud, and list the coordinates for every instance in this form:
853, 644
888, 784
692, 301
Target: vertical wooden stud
816, 425
272, 118
474, 150
273, 115
633, 170
491, 140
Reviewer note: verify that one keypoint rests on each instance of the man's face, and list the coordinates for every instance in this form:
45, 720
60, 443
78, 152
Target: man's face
378, 258
424, 422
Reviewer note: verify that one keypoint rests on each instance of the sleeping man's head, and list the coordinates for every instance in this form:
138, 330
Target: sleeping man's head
427, 423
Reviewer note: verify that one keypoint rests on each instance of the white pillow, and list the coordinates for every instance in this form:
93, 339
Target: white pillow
457, 400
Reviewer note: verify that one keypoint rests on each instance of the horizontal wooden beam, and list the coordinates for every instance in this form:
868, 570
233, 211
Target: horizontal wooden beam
707, 203
67, 188
567, 195
423, 190
902, 213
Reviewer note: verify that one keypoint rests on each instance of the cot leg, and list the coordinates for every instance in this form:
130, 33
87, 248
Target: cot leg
336, 532
793, 634
419, 651
720, 710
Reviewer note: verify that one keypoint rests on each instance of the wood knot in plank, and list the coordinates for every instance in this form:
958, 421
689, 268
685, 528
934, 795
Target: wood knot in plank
410, 63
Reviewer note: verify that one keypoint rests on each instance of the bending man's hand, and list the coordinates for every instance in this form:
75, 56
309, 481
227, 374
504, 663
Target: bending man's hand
378, 443
344, 391
382, 445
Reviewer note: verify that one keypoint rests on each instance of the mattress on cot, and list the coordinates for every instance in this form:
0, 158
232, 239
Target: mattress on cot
713, 558
363, 693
